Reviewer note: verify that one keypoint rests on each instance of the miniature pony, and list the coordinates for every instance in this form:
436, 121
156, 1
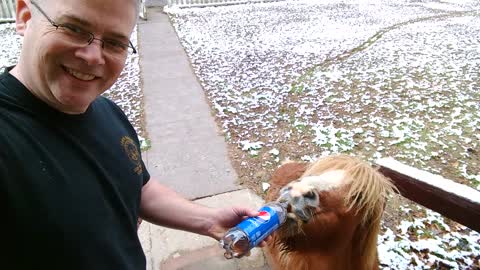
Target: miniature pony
334, 210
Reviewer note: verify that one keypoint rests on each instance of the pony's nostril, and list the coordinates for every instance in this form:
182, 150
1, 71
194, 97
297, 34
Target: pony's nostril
285, 189
295, 200
284, 196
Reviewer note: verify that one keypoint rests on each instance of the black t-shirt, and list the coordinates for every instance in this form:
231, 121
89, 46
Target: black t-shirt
70, 185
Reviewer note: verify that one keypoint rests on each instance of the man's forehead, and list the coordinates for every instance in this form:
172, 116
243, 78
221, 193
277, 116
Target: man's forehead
118, 16
99, 4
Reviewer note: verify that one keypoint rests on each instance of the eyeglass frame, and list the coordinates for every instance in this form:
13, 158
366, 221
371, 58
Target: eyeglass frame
92, 36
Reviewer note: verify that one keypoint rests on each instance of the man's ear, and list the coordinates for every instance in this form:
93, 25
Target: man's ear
23, 16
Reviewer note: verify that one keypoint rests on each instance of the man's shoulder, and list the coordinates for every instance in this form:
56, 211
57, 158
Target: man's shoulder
4, 84
8, 91
108, 105
8, 133
6, 104
4, 78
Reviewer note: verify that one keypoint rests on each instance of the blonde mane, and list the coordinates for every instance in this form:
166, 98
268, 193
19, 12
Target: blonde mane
367, 194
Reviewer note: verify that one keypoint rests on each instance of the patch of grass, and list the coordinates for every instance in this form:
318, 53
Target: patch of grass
297, 89
145, 144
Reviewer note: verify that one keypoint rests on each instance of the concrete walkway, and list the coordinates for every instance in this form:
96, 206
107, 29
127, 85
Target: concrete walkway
188, 152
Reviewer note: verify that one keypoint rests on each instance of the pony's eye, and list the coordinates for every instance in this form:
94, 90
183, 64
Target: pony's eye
310, 195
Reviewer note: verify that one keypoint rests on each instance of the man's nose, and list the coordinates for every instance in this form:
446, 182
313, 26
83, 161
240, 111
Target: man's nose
92, 53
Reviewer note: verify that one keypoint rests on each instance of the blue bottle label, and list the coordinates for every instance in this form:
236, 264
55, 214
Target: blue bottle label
259, 227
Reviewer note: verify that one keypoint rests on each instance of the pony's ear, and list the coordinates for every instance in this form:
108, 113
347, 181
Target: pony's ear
23, 16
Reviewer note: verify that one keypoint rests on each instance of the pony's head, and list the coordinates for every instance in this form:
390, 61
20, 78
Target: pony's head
334, 206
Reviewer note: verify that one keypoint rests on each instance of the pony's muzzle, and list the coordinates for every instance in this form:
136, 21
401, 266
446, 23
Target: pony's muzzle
302, 201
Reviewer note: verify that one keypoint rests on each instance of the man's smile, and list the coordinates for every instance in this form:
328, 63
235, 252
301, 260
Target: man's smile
79, 75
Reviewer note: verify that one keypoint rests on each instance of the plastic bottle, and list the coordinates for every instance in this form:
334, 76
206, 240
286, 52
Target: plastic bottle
249, 233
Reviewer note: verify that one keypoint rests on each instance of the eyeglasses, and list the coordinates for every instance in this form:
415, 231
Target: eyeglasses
79, 36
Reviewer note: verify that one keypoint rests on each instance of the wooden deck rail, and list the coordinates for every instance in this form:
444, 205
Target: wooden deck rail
453, 200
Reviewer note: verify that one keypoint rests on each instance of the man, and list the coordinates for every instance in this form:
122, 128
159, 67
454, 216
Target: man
72, 181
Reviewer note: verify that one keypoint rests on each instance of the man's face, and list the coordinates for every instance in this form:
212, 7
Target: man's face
66, 75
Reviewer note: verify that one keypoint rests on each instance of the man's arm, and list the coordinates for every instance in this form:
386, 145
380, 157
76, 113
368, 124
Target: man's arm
163, 206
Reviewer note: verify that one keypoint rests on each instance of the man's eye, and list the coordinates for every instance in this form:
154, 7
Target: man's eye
115, 44
73, 28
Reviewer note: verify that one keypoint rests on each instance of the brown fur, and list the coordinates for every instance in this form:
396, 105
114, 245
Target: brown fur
343, 233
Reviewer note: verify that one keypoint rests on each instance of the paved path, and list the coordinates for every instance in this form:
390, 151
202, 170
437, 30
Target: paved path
188, 152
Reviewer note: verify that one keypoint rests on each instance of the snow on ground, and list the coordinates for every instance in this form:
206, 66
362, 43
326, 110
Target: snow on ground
373, 78
301, 79
429, 93
9, 45
126, 92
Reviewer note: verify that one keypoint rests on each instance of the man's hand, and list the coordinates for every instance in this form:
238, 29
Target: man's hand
226, 218
162, 206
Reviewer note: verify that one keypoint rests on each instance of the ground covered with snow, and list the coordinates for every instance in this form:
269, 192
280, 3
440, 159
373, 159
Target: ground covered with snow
374, 78
301, 79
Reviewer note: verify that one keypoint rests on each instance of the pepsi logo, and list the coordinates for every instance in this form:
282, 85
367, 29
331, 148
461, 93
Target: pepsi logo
264, 216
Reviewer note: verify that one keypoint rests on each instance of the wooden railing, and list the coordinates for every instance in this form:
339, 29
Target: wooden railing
453, 200
7, 11
205, 3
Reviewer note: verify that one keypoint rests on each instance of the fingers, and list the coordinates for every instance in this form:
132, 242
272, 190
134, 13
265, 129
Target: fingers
242, 211
268, 239
265, 241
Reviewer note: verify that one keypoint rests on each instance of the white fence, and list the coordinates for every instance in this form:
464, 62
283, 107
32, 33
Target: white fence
205, 3
7, 11
142, 10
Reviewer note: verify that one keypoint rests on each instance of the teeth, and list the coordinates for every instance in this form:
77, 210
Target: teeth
80, 75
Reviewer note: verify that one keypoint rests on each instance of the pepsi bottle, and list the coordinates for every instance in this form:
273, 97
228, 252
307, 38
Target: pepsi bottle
249, 233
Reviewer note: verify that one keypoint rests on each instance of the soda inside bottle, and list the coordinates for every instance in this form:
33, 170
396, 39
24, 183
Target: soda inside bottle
235, 243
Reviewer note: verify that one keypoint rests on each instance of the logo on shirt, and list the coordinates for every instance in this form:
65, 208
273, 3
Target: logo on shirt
132, 152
